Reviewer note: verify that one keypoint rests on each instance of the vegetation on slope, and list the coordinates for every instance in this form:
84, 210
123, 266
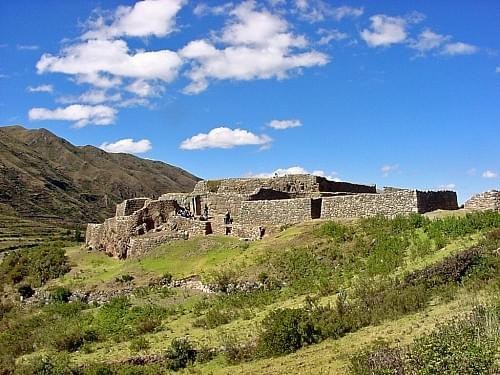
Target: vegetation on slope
323, 290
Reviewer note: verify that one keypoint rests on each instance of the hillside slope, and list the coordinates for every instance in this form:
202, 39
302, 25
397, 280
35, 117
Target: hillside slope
44, 175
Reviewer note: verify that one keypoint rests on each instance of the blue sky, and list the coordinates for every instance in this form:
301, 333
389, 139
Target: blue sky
397, 93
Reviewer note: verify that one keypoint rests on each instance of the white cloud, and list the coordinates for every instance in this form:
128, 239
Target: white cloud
98, 80
296, 170
82, 115
284, 124
428, 40
319, 10
145, 18
258, 46
41, 88
447, 187
328, 35
202, 9
347, 11
94, 57
489, 174
459, 48
387, 169
223, 137
384, 31
142, 88
91, 97
128, 146
24, 47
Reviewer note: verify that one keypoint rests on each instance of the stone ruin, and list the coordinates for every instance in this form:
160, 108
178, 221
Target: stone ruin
489, 200
257, 206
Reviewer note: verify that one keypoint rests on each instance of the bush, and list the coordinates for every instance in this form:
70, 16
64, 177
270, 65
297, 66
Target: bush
222, 281
467, 345
124, 279
147, 325
56, 364
60, 294
36, 265
285, 331
180, 354
139, 344
379, 359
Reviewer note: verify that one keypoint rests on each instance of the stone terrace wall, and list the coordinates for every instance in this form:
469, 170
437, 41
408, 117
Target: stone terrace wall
141, 245
129, 206
489, 200
436, 200
347, 187
366, 205
277, 212
293, 184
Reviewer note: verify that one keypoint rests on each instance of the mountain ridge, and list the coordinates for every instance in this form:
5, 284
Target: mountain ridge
44, 175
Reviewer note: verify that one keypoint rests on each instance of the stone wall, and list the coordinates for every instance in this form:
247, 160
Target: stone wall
113, 236
129, 206
436, 200
489, 200
293, 184
365, 205
143, 244
277, 212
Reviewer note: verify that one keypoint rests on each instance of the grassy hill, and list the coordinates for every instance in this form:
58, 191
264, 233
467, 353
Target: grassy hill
45, 177
370, 296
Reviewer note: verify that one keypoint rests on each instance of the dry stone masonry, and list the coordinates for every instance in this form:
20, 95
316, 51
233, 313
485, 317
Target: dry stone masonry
257, 207
489, 200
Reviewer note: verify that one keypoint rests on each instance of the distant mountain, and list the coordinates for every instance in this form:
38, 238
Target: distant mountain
43, 175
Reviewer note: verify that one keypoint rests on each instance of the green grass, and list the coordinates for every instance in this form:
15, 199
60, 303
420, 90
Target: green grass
340, 256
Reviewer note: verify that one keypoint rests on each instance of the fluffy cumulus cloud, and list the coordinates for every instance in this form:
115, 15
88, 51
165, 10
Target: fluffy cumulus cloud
489, 174
223, 137
385, 30
459, 48
93, 58
257, 45
296, 170
284, 124
127, 145
145, 18
388, 169
330, 35
41, 88
81, 115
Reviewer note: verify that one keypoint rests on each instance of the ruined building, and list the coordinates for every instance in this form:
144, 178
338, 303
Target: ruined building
257, 207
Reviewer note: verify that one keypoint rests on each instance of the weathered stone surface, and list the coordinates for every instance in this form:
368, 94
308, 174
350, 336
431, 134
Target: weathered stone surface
257, 206
489, 200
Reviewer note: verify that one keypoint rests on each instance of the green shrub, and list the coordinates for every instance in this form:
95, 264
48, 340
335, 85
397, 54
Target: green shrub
467, 345
147, 325
35, 266
221, 281
379, 359
180, 354
464, 346
124, 279
286, 330
54, 364
60, 294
